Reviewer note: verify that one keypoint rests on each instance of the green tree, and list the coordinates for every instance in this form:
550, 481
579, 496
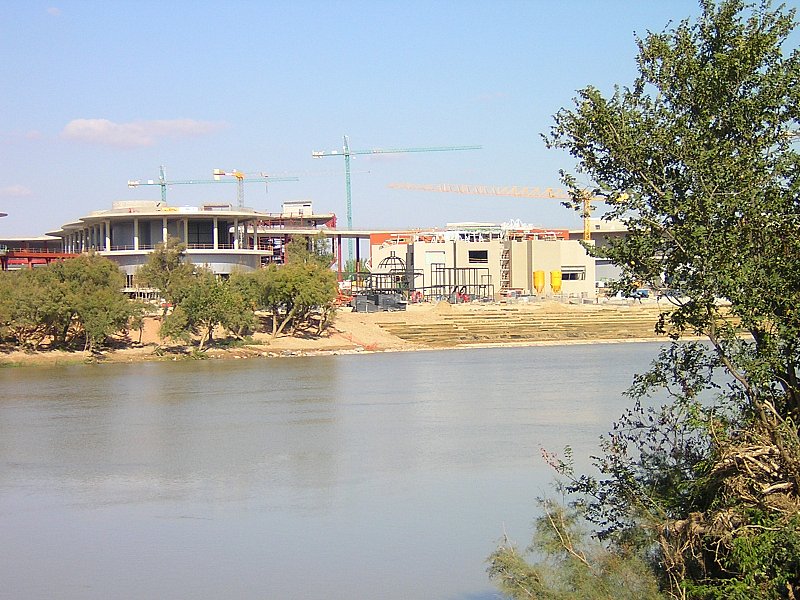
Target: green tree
92, 292
79, 298
697, 158
310, 248
169, 271
208, 301
299, 294
32, 307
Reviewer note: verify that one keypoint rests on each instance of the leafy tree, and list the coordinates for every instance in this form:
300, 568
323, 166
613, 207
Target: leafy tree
76, 298
92, 292
697, 159
32, 307
208, 302
310, 248
297, 293
169, 271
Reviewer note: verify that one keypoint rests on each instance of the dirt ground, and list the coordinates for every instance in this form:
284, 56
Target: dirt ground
350, 333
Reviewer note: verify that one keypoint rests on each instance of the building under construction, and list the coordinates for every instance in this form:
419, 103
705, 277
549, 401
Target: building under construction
481, 261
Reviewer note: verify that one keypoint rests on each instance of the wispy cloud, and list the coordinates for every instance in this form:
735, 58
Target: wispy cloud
15, 191
54, 12
135, 133
490, 97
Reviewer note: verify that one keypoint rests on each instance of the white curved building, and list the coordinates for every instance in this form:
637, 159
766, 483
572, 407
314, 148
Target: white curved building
219, 236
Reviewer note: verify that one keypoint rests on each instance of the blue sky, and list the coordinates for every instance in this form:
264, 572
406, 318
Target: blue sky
97, 93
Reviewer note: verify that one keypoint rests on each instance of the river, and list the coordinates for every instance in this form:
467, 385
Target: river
388, 475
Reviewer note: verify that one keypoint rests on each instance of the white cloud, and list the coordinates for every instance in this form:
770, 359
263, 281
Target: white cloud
490, 97
15, 191
136, 133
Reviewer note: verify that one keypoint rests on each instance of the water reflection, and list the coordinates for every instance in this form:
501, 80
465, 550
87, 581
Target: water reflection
278, 478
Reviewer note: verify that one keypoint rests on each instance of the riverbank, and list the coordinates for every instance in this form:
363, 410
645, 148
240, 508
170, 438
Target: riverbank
421, 327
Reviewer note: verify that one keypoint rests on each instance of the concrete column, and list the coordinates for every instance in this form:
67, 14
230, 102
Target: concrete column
216, 233
164, 230
236, 234
108, 236
136, 233
339, 257
186, 231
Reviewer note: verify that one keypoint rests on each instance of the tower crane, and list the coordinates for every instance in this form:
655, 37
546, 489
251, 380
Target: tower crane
511, 191
347, 153
240, 180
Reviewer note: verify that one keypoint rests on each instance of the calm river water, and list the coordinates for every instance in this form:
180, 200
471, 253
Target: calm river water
386, 476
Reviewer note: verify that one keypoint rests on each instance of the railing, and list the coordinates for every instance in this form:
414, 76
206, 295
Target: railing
128, 247
7, 250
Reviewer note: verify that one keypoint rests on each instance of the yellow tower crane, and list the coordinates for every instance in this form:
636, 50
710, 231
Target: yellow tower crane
240, 180
510, 191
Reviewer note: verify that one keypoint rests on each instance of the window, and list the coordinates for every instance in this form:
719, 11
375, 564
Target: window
478, 256
201, 233
573, 273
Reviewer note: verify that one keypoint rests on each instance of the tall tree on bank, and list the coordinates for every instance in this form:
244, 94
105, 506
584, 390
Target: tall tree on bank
698, 159
297, 293
208, 301
169, 271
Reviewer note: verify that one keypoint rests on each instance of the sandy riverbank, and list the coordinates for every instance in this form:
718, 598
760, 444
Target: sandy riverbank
360, 332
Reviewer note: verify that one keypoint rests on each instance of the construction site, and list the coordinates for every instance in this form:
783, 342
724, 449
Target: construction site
478, 264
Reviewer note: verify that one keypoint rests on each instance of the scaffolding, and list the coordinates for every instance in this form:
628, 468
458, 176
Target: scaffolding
390, 276
456, 284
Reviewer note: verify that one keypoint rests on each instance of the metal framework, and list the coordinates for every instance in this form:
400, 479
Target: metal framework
453, 283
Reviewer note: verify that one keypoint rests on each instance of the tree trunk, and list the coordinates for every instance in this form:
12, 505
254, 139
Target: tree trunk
288, 318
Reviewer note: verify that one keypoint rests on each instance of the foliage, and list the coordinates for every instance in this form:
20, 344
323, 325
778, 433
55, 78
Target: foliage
79, 298
572, 566
208, 301
697, 159
311, 248
31, 307
296, 294
169, 271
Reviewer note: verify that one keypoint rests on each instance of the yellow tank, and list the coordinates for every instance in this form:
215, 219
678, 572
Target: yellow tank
538, 281
555, 281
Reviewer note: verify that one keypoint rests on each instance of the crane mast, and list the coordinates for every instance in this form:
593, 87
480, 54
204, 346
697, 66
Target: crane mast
346, 152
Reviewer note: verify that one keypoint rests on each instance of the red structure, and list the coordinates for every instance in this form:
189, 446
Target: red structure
30, 257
